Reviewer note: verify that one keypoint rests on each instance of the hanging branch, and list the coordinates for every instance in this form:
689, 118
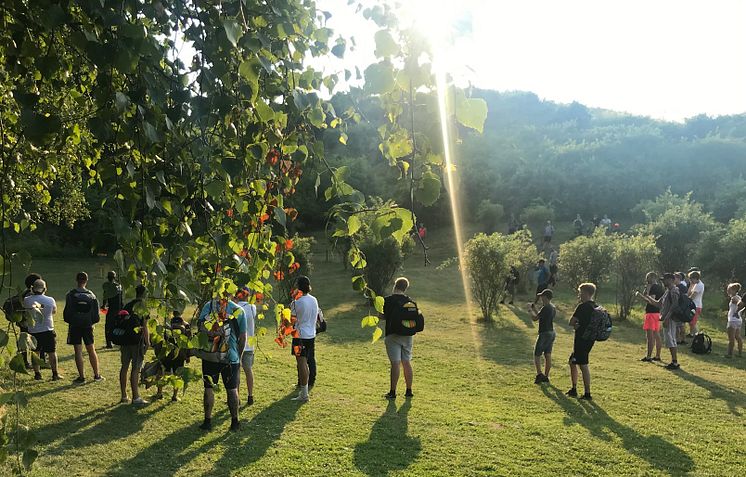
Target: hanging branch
411, 174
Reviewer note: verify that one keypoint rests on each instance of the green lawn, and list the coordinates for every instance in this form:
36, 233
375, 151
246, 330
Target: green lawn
476, 410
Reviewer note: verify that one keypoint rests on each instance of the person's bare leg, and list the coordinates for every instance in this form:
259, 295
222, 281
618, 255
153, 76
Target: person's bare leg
737, 333
537, 364
302, 370
249, 373
574, 375
123, 380
233, 402
79, 360
658, 344
53, 363
731, 341
35, 365
674, 354
394, 375
209, 402
651, 342
547, 363
135, 382
408, 374
586, 377
93, 358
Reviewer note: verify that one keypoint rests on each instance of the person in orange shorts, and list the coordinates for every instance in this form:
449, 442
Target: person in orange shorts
652, 323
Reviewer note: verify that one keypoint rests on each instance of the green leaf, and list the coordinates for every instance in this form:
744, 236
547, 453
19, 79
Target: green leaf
266, 114
280, 216
358, 284
121, 101
378, 304
17, 365
377, 333
338, 50
233, 30
249, 70
353, 224
379, 78
428, 191
150, 132
369, 320
385, 44
317, 117
3, 338
471, 112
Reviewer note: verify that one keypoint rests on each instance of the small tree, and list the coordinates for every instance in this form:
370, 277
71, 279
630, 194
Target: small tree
489, 215
633, 256
587, 258
537, 213
523, 255
384, 259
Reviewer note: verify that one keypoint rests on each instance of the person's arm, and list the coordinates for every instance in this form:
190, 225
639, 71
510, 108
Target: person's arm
574, 322
54, 306
145, 333
242, 334
533, 312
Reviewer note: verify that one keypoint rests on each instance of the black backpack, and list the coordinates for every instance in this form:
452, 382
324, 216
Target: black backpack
83, 310
407, 319
600, 325
701, 343
685, 309
123, 329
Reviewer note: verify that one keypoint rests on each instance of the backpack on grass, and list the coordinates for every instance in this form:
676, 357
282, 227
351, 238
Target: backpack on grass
685, 309
701, 343
124, 329
599, 327
407, 319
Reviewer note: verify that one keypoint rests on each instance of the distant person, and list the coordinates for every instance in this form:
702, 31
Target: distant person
652, 323
616, 228
81, 313
581, 347
513, 225
398, 342
231, 324
735, 322
247, 358
578, 225
683, 287
548, 232
668, 304
553, 267
171, 363
133, 351
112, 303
545, 339
511, 282
305, 309
41, 310
606, 223
596, 222
696, 292
542, 278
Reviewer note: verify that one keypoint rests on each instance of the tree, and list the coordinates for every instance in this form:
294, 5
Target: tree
633, 257
587, 259
489, 215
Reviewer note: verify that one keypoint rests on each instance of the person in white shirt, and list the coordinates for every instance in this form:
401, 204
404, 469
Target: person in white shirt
41, 309
735, 322
696, 291
247, 358
305, 312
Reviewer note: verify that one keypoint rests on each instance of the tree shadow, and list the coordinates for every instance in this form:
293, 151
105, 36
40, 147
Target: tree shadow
388, 448
655, 450
733, 398
504, 342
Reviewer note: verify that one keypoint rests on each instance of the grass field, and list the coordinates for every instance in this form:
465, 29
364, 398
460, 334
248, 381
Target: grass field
476, 410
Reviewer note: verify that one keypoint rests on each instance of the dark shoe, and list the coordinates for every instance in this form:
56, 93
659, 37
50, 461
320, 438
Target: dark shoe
502, 302
690, 335
109, 346
311, 384
250, 400
572, 393
545, 379
646, 359
79, 380
655, 359
206, 425
673, 366
235, 425
586, 397
37, 376
56, 377
98, 378
390, 395
539, 379
409, 393
510, 302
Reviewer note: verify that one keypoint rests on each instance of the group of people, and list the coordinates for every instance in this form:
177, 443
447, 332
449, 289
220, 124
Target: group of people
581, 228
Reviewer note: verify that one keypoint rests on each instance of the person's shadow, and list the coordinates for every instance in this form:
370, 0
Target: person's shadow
733, 398
388, 448
655, 450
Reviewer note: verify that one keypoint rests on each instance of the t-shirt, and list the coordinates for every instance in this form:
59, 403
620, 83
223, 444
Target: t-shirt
546, 318
669, 298
212, 306
733, 309
583, 314
42, 319
306, 310
392, 303
112, 298
553, 258
548, 230
698, 290
249, 311
656, 291
543, 275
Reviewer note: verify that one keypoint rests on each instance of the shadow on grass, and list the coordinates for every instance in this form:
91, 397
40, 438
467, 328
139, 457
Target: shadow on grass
388, 448
733, 398
655, 450
504, 342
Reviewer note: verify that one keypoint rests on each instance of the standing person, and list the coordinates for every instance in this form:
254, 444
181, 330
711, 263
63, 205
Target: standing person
134, 351
606, 223
735, 322
545, 338
305, 310
513, 225
578, 225
247, 358
696, 292
398, 346
81, 313
581, 347
230, 318
553, 268
42, 309
542, 278
511, 281
548, 232
683, 287
668, 304
112, 303
171, 363
652, 323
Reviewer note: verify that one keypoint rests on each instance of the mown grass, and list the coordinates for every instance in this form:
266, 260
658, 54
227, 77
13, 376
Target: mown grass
476, 410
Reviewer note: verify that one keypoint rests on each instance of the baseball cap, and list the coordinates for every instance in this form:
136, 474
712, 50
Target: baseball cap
547, 293
668, 276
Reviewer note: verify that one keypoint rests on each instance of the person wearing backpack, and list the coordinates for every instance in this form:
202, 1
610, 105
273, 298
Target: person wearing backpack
581, 348
228, 347
171, 362
696, 291
247, 358
399, 308
545, 338
41, 309
112, 303
135, 340
735, 322
81, 313
668, 304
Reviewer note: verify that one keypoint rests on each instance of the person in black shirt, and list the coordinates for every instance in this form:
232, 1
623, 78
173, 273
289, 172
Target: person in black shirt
510, 283
581, 317
545, 339
652, 323
398, 347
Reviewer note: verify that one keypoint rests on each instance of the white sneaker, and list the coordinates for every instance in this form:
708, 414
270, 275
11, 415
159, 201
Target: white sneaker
139, 401
300, 398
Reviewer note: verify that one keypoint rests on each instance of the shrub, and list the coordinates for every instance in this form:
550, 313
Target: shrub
537, 213
633, 256
384, 259
586, 259
489, 215
722, 250
301, 253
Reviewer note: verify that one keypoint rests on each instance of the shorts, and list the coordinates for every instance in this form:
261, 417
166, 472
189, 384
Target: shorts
302, 347
77, 335
228, 371
580, 350
399, 348
736, 325
46, 341
172, 365
669, 333
693, 323
247, 360
544, 343
652, 322
134, 354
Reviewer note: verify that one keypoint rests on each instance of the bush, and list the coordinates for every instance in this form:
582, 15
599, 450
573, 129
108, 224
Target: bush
537, 213
633, 256
301, 253
384, 259
723, 251
489, 215
586, 259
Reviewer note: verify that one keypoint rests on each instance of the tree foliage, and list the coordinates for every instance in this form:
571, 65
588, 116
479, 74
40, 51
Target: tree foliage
633, 257
587, 259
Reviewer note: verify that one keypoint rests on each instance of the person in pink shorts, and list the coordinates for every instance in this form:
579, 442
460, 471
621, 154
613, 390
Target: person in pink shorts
652, 323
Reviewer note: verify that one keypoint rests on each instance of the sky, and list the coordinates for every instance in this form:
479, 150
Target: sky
666, 59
